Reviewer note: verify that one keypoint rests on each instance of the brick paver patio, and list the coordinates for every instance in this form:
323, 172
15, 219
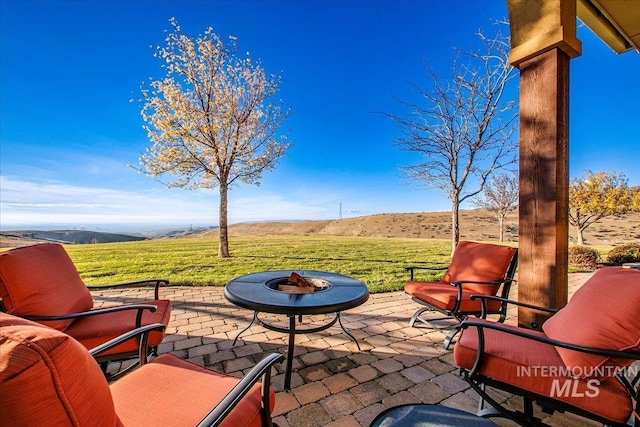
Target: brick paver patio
333, 384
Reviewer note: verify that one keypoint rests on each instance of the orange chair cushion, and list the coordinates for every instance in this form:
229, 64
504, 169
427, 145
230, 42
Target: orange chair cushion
479, 262
47, 378
538, 368
41, 280
92, 331
172, 392
603, 313
444, 296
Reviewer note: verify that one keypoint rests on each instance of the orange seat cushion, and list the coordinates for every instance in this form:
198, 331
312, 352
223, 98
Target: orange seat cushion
49, 379
479, 262
41, 280
92, 331
538, 368
444, 296
172, 392
603, 313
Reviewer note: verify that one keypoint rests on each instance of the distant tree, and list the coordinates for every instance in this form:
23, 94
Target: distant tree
209, 119
500, 196
635, 203
599, 195
463, 126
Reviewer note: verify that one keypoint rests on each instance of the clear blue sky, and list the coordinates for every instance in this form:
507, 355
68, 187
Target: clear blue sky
69, 68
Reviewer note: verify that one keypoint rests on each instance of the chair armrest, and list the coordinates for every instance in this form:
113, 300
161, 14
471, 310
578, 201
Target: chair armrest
133, 283
480, 282
142, 332
138, 307
226, 405
483, 299
458, 284
97, 311
411, 269
520, 332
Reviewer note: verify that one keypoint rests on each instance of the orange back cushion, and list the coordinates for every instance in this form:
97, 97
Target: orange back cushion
479, 262
41, 280
603, 313
48, 378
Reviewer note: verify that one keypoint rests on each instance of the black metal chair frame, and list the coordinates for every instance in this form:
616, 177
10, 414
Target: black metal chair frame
260, 372
455, 313
104, 360
548, 404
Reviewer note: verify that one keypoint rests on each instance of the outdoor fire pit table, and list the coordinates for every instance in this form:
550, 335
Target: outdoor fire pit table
259, 292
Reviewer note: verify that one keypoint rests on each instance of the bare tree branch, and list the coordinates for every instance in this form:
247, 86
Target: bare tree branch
462, 130
500, 196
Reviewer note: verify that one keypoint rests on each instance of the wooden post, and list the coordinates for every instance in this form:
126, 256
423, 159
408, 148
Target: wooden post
542, 43
544, 184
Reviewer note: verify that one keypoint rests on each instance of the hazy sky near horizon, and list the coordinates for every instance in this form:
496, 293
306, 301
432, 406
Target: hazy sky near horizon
67, 129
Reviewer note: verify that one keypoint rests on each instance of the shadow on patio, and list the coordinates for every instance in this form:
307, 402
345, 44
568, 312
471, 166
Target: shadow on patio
333, 384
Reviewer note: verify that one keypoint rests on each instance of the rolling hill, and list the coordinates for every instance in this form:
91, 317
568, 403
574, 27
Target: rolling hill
474, 225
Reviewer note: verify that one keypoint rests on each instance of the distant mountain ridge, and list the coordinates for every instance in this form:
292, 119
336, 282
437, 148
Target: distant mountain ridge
68, 236
10, 239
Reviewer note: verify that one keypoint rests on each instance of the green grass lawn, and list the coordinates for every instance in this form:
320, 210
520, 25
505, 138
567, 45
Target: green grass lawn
378, 262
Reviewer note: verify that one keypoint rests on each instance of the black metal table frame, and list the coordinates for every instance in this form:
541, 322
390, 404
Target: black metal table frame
292, 330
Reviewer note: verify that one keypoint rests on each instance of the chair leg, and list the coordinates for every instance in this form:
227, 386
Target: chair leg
417, 314
496, 410
449, 338
104, 366
489, 411
481, 400
528, 407
153, 351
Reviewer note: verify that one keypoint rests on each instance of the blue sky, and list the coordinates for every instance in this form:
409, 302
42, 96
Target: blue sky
67, 129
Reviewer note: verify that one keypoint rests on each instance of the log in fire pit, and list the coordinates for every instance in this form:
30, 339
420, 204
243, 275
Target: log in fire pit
297, 284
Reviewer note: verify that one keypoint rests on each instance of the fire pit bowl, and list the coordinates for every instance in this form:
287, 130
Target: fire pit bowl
282, 284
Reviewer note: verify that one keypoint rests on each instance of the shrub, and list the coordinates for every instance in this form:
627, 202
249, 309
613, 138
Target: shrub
583, 256
625, 253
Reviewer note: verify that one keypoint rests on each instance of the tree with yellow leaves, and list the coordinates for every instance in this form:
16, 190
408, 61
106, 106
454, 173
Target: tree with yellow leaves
210, 119
598, 195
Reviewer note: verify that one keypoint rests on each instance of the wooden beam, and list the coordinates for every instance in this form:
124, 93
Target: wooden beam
543, 40
544, 184
540, 26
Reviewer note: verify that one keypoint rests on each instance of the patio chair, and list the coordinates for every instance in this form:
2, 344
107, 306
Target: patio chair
41, 283
475, 268
48, 378
580, 362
